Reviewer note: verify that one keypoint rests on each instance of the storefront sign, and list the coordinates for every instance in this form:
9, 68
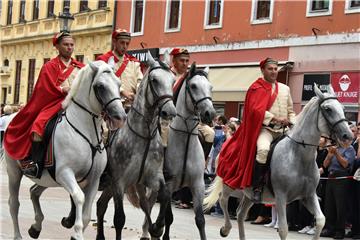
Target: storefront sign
346, 86
141, 53
322, 81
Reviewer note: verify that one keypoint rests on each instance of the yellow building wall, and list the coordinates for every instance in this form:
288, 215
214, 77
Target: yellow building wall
33, 39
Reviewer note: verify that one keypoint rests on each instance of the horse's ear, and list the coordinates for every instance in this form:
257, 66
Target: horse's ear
167, 58
318, 92
111, 62
206, 70
192, 69
150, 60
93, 66
331, 90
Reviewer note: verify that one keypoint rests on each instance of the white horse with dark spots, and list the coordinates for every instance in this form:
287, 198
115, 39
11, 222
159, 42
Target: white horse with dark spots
79, 152
294, 173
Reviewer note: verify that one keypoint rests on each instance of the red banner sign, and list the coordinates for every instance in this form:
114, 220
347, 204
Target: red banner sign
346, 86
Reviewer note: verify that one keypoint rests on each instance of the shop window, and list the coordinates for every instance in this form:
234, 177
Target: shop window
352, 6
50, 8
137, 17
83, 6
102, 4
6, 62
318, 8
213, 13
9, 12
22, 12
262, 11
35, 9
173, 15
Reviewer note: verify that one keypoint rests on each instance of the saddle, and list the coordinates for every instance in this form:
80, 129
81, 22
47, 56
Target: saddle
49, 159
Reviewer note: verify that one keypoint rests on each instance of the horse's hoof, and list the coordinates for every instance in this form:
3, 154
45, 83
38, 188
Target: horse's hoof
33, 232
66, 223
222, 234
156, 232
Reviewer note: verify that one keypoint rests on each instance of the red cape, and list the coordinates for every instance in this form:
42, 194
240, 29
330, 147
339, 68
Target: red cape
237, 156
44, 103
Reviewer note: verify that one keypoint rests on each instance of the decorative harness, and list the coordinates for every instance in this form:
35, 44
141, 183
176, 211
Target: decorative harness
94, 148
158, 98
330, 125
189, 131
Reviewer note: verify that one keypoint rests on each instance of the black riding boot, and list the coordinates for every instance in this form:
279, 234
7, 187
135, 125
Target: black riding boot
258, 180
35, 167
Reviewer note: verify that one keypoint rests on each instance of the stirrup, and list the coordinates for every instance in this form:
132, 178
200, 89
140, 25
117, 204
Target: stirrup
32, 170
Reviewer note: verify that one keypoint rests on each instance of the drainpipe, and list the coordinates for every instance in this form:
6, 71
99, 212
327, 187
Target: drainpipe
114, 21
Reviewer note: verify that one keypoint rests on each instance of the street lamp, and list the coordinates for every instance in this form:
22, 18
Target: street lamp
65, 19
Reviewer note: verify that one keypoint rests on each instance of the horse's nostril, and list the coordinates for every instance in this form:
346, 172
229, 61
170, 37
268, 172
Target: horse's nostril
163, 113
345, 136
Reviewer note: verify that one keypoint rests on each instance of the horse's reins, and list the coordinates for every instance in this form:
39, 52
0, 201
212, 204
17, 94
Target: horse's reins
188, 131
152, 133
332, 126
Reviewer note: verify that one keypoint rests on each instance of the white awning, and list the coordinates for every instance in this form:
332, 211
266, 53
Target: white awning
231, 84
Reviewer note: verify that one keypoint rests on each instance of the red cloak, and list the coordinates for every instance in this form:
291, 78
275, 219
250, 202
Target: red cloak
44, 103
237, 156
127, 57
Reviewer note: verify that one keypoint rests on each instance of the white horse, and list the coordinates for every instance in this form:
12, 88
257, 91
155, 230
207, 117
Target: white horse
184, 156
78, 166
294, 173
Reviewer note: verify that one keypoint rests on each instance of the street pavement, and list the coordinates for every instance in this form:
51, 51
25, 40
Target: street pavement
55, 204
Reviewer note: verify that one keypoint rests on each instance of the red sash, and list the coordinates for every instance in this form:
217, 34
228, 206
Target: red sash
123, 66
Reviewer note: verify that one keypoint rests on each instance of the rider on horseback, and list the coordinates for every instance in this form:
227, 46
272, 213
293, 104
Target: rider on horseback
126, 67
25, 132
268, 109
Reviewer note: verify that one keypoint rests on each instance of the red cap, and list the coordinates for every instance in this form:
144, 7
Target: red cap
178, 51
121, 33
58, 36
267, 61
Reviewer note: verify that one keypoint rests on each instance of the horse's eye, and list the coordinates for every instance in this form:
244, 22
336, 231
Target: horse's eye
328, 109
193, 86
107, 71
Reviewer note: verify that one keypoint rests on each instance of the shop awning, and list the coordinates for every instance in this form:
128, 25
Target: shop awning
231, 84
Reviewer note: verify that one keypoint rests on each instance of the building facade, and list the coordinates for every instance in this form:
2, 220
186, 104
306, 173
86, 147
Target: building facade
27, 28
314, 41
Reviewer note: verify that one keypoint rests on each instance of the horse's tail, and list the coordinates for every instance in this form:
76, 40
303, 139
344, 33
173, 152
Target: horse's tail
213, 193
133, 196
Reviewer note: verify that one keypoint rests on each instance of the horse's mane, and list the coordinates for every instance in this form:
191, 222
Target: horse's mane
301, 117
83, 73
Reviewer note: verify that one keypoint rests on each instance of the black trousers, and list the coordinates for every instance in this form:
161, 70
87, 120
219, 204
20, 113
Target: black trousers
355, 188
335, 204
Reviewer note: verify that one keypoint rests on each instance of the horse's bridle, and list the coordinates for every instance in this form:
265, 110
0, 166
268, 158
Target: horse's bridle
94, 148
156, 103
187, 90
189, 131
330, 125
